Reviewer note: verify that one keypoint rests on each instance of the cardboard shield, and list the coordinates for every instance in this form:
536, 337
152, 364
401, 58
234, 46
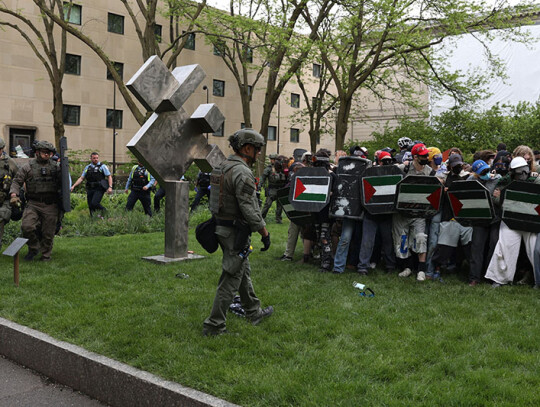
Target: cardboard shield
310, 189
471, 203
296, 217
379, 188
521, 206
419, 196
65, 202
346, 200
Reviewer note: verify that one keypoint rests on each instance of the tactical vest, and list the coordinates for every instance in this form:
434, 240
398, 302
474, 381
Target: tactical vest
204, 180
44, 182
222, 203
5, 179
94, 176
139, 179
277, 180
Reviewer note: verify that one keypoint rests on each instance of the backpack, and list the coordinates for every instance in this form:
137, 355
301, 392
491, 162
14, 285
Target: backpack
205, 233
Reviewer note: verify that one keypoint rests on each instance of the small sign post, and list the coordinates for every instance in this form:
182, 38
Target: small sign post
13, 251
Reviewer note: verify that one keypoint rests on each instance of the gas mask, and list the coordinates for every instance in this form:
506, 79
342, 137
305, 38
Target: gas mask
521, 174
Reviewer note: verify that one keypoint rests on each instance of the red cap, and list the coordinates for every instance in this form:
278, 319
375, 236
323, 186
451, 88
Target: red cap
384, 154
419, 149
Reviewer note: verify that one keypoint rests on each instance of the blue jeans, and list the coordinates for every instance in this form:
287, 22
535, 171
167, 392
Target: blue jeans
536, 258
347, 232
370, 225
433, 238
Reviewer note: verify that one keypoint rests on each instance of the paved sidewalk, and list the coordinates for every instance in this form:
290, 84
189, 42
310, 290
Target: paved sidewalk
21, 387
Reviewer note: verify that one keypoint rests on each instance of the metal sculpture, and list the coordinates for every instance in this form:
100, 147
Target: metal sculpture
171, 140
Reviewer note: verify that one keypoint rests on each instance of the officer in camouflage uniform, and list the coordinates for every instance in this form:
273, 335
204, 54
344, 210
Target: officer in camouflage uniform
43, 179
8, 169
234, 204
276, 179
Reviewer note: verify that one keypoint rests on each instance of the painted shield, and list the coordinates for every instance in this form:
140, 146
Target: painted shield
378, 189
310, 189
66, 184
419, 196
346, 199
471, 203
297, 217
521, 206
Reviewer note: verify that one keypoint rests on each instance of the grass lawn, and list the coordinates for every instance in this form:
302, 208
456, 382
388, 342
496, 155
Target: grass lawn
412, 344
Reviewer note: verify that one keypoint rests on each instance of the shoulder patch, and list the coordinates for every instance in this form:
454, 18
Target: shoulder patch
248, 189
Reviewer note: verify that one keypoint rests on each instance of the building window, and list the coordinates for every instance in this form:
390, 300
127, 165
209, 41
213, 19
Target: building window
115, 23
316, 70
295, 136
249, 55
221, 131
219, 48
73, 64
219, 88
295, 100
157, 32
72, 13
114, 119
250, 92
71, 115
272, 131
190, 42
119, 68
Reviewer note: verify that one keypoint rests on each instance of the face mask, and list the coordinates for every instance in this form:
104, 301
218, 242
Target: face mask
521, 176
437, 160
386, 162
457, 170
423, 161
485, 177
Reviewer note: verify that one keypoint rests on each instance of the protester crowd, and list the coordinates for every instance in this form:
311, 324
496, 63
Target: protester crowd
424, 246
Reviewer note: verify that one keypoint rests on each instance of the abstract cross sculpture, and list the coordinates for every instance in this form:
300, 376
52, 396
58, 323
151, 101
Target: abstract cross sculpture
170, 141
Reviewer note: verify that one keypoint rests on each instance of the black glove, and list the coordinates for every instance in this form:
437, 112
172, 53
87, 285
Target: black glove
266, 242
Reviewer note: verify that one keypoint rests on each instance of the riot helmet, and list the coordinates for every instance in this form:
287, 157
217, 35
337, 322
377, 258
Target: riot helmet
43, 145
246, 136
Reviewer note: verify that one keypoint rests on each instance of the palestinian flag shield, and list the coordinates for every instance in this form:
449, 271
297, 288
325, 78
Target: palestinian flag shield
310, 190
419, 195
471, 203
380, 190
521, 206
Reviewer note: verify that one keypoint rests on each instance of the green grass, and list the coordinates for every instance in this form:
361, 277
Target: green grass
412, 344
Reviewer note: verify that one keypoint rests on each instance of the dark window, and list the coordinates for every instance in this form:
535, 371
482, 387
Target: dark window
157, 32
114, 118
242, 125
115, 23
119, 68
295, 100
190, 42
221, 131
73, 64
250, 92
249, 55
272, 131
72, 13
71, 115
219, 48
219, 88
295, 136
316, 70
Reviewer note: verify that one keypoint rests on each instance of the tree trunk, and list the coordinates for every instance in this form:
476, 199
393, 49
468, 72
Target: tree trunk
58, 114
342, 123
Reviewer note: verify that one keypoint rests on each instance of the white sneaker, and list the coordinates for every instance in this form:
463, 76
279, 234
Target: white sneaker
372, 265
421, 276
405, 273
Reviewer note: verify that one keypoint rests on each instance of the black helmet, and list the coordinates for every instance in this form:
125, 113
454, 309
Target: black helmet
246, 136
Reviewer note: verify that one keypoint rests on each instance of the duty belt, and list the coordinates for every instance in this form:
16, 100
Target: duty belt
45, 200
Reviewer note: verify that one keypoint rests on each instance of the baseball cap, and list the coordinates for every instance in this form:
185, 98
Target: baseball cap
433, 151
419, 149
384, 154
479, 166
455, 159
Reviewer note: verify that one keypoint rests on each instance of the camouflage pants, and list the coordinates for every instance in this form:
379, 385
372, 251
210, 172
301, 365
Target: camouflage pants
5, 214
268, 203
38, 226
235, 277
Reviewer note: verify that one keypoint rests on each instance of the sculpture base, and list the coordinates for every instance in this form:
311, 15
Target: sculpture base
161, 259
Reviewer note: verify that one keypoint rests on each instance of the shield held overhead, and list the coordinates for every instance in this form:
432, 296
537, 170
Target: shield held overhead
378, 189
310, 189
419, 196
521, 206
346, 198
471, 203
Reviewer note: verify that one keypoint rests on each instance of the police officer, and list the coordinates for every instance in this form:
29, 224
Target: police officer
276, 179
234, 204
8, 169
203, 189
139, 181
98, 181
43, 179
